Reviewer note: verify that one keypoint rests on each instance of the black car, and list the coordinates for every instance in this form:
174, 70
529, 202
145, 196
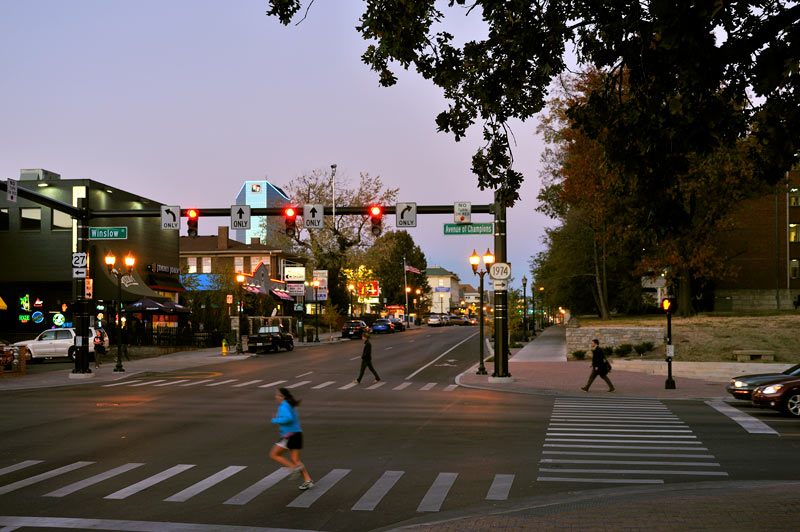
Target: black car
397, 324
354, 329
270, 337
742, 387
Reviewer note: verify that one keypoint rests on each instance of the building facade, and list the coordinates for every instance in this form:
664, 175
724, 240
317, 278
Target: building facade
260, 194
443, 290
37, 242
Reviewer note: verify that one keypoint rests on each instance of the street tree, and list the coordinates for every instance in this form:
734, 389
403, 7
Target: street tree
701, 76
387, 258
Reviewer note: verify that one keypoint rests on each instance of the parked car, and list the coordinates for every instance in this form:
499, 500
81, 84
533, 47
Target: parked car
270, 337
54, 343
783, 395
457, 319
354, 329
472, 320
742, 387
397, 324
445, 319
434, 320
382, 326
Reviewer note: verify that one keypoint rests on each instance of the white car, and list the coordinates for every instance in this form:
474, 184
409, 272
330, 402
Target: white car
58, 343
435, 320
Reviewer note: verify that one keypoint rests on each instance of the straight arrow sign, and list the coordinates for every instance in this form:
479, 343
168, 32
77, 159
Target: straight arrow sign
313, 215
240, 217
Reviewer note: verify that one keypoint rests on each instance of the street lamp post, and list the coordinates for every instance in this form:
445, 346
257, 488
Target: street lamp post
316, 301
130, 260
350, 289
408, 290
474, 261
240, 281
524, 310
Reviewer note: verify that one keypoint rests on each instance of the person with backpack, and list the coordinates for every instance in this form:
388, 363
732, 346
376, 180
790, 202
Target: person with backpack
600, 367
291, 437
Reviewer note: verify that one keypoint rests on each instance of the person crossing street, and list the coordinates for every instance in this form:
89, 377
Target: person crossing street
366, 360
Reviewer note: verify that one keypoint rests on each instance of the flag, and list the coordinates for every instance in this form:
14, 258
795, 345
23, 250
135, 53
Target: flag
411, 269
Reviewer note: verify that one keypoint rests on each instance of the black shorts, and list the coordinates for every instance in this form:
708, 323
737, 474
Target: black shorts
291, 441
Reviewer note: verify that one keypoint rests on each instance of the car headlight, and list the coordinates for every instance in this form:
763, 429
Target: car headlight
774, 388
739, 384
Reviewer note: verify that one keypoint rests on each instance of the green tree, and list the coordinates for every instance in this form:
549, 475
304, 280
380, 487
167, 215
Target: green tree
692, 69
386, 258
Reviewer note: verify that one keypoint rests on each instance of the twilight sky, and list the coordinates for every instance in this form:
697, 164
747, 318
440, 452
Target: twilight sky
181, 101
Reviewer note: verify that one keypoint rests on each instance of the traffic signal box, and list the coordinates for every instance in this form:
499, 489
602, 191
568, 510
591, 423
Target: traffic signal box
191, 221
290, 219
668, 305
376, 217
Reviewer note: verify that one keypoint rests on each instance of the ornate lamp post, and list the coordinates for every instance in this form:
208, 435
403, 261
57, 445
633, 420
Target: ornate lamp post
408, 291
240, 282
475, 260
316, 301
129, 260
524, 309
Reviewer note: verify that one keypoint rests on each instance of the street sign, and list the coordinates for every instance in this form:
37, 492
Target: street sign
462, 212
469, 229
296, 289
313, 215
322, 276
229, 299
88, 288
79, 273
108, 233
79, 260
11, 190
170, 217
406, 215
240, 217
499, 285
500, 271
298, 307
294, 273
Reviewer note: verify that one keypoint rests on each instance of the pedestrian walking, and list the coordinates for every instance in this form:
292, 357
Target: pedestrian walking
291, 437
366, 360
600, 367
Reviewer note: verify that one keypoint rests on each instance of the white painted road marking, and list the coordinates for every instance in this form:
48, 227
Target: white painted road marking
747, 422
378, 491
91, 481
44, 476
148, 482
433, 499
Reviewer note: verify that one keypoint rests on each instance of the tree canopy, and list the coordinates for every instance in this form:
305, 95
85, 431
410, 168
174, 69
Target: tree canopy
700, 75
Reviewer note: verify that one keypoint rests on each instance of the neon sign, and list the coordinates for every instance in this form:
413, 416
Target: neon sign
25, 303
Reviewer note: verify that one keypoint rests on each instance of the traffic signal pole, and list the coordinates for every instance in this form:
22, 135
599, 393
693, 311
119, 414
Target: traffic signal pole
81, 313
500, 296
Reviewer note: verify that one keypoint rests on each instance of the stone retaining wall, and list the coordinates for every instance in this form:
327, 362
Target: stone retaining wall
581, 338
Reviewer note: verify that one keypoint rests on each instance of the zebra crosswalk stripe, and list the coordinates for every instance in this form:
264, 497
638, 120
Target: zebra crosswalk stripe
500, 488
44, 476
320, 487
203, 485
250, 493
17, 467
91, 481
378, 491
434, 498
148, 482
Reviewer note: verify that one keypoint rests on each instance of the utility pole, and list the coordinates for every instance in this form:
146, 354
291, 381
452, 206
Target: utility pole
500, 296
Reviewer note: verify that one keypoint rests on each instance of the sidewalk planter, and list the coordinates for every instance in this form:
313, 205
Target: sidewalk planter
580, 338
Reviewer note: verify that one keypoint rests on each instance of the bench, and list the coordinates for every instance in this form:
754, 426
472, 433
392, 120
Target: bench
754, 355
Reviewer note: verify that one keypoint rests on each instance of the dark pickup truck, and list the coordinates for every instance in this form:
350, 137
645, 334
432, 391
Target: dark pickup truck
270, 337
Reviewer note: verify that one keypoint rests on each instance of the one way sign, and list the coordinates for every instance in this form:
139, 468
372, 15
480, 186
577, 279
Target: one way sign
240, 216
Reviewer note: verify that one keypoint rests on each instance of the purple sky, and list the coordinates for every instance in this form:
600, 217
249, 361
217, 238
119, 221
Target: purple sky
181, 101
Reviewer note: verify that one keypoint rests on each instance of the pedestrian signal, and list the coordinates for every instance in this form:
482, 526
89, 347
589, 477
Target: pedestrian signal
290, 219
376, 217
669, 304
192, 216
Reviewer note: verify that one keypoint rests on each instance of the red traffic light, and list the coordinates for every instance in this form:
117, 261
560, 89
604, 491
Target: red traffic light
376, 217
375, 210
191, 221
290, 219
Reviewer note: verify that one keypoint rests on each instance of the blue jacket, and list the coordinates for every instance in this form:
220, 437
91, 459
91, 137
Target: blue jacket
287, 419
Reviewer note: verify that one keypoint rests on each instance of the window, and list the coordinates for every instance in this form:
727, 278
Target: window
30, 219
238, 264
63, 334
48, 335
191, 263
4, 220
793, 236
61, 221
794, 197
794, 268
206, 265
255, 188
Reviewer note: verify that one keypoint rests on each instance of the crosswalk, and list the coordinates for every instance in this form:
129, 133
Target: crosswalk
174, 384
431, 501
621, 441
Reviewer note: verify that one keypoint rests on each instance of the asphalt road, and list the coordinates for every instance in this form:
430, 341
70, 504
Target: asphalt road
191, 446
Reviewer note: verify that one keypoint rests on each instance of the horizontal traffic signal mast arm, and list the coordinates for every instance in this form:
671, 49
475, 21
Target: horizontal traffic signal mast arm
278, 211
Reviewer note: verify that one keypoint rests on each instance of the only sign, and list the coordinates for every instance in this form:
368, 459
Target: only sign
500, 271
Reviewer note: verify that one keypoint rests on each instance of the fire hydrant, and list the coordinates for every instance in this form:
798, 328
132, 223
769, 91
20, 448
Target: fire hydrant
224, 347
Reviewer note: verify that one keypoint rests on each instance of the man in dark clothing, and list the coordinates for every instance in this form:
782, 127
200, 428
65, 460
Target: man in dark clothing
366, 360
598, 367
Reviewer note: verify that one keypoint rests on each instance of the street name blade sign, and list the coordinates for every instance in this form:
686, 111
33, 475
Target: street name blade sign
108, 233
406, 215
313, 215
500, 271
240, 217
462, 212
469, 229
170, 217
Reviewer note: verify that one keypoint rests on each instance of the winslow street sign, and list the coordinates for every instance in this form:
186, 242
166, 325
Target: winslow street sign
108, 233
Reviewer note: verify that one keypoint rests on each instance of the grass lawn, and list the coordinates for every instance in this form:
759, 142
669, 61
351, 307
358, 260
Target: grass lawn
714, 337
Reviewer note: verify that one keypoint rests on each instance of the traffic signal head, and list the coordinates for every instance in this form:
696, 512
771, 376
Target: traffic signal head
191, 221
290, 219
376, 217
668, 305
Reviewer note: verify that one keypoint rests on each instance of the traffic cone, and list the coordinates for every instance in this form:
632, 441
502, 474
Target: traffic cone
224, 347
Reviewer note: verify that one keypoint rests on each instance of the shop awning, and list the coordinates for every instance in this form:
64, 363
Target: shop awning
133, 287
254, 289
146, 305
3, 305
157, 281
283, 296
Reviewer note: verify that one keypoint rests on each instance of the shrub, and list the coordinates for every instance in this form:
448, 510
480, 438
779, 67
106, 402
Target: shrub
643, 348
607, 351
579, 354
623, 350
